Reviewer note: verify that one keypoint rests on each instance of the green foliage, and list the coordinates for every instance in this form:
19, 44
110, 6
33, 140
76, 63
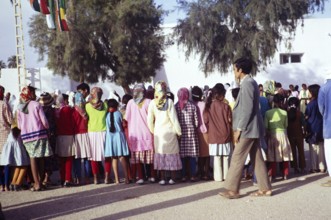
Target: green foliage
12, 62
220, 31
2, 64
118, 39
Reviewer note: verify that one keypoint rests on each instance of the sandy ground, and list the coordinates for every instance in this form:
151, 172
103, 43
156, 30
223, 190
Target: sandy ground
292, 199
300, 197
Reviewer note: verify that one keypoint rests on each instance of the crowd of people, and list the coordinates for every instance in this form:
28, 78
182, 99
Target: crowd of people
157, 139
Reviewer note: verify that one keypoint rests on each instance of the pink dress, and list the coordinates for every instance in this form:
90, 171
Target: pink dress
140, 139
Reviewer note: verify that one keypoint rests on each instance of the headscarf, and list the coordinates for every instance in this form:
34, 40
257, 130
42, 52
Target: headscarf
25, 97
183, 96
2, 91
96, 94
139, 93
160, 95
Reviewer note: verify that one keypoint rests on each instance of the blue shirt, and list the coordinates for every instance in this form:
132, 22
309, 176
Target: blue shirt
324, 105
314, 118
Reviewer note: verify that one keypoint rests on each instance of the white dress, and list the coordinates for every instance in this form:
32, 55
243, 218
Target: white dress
14, 153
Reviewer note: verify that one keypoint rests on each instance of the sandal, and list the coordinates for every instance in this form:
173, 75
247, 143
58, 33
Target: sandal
35, 190
260, 193
229, 195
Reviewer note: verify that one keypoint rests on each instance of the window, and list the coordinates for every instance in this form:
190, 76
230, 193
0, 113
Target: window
290, 58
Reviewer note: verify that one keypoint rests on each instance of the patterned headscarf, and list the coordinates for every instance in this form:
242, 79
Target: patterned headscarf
46, 100
27, 94
96, 94
160, 95
139, 93
183, 96
2, 91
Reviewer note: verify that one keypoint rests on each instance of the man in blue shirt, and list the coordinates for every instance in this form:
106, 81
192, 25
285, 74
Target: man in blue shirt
324, 105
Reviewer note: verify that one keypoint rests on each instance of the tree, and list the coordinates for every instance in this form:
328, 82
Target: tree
2, 64
224, 30
12, 62
118, 40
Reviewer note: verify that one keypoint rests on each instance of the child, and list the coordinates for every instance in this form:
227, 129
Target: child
15, 155
295, 132
64, 138
218, 118
116, 145
204, 158
96, 111
279, 149
315, 131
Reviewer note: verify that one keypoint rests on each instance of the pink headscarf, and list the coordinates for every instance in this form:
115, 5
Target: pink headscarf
183, 95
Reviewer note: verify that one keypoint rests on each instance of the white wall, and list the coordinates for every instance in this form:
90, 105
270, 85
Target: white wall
312, 40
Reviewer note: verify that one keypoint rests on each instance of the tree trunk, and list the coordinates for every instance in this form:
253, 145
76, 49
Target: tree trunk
127, 89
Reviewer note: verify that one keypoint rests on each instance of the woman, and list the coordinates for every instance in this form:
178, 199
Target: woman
163, 123
189, 144
33, 124
96, 111
140, 138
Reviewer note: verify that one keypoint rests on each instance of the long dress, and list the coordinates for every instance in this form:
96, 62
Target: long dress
165, 126
116, 144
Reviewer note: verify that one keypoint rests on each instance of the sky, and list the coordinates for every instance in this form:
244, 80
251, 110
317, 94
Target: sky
7, 33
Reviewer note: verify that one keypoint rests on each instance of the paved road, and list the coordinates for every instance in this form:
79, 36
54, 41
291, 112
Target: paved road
292, 199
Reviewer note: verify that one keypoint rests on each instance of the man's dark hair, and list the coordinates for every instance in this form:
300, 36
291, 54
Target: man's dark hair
83, 86
244, 64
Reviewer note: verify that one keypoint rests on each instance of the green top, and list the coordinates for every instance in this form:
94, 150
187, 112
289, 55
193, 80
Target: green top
97, 119
275, 120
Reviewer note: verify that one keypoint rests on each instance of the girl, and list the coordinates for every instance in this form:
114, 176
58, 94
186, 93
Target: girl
189, 144
163, 123
218, 118
96, 111
116, 145
33, 124
6, 119
204, 159
125, 99
295, 132
64, 138
279, 149
140, 138
315, 131
81, 139
15, 155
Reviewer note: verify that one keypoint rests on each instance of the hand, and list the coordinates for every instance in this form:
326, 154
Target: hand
236, 136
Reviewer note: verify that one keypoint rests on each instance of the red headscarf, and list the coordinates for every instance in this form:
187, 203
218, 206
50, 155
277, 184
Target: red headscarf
26, 94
